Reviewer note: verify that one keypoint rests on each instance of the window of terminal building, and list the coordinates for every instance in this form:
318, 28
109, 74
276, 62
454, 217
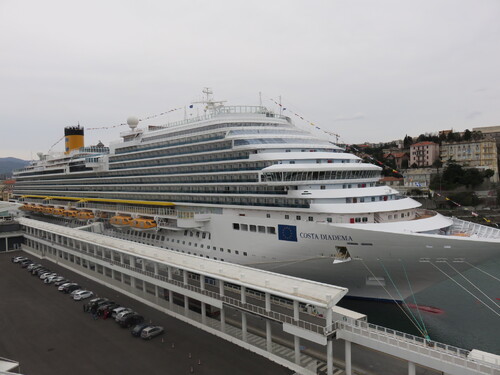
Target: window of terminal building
244, 227
253, 228
236, 226
271, 230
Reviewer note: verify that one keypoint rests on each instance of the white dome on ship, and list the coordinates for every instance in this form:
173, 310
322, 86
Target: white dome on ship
132, 122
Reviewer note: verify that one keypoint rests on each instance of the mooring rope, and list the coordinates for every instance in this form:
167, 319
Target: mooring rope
464, 288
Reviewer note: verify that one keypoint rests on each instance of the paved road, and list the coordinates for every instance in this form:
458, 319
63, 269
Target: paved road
48, 333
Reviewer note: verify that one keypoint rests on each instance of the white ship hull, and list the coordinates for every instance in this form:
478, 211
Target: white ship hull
382, 265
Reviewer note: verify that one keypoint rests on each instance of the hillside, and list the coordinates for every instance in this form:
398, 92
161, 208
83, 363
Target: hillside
9, 164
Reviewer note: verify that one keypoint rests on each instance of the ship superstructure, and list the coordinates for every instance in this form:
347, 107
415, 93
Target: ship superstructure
242, 184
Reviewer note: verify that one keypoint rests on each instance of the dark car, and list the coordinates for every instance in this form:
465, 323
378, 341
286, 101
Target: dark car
39, 271
107, 307
136, 331
131, 320
25, 263
94, 303
71, 288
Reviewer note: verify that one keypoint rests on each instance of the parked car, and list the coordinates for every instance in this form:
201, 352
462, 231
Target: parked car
71, 288
40, 271
61, 282
33, 266
138, 328
131, 320
107, 307
95, 301
149, 332
119, 310
119, 317
26, 263
54, 279
43, 276
75, 291
82, 294
62, 286
49, 278
18, 259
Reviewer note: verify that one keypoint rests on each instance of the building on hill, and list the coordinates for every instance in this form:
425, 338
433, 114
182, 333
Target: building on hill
6, 188
480, 154
491, 132
423, 154
419, 178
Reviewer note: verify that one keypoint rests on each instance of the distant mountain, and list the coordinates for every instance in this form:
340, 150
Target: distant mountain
9, 164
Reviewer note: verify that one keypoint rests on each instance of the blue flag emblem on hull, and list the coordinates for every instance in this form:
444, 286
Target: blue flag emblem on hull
287, 233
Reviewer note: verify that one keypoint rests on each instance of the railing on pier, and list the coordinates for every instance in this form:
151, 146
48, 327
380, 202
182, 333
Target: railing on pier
405, 341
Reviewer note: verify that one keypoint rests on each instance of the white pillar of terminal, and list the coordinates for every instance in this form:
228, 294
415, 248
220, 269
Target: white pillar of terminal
296, 342
144, 264
157, 293
6, 243
202, 282
171, 298
269, 337
348, 363
203, 313
155, 265
221, 287
186, 305
411, 368
121, 257
222, 319
243, 294
329, 357
244, 326
169, 272
268, 302
132, 281
185, 277
295, 310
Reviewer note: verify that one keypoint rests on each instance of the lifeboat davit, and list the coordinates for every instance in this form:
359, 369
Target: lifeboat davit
120, 221
85, 215
143, 224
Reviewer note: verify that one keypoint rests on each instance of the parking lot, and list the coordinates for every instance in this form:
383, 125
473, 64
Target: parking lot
48, 333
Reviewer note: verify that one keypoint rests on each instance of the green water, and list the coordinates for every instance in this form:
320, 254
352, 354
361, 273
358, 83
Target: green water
465, 322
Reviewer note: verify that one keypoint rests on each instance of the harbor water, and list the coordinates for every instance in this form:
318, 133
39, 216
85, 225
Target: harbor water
464, 322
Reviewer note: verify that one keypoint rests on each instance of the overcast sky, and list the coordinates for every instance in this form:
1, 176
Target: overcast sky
367, 70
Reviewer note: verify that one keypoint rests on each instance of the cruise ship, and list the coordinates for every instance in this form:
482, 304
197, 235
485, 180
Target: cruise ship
243, 184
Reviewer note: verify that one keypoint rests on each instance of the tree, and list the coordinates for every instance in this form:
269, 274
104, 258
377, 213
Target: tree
467, 135
488, 173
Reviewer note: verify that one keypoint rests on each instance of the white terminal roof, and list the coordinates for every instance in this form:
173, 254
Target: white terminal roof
294, 288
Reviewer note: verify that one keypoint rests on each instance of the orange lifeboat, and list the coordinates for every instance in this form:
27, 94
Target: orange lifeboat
25, 207
120, 221
70, 213
85, 215
48, 210
143, 224
58, 211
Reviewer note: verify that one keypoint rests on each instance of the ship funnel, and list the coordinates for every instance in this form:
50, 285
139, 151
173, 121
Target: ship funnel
73, 137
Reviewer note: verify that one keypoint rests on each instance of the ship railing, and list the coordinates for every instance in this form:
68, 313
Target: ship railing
434, 349
473, 229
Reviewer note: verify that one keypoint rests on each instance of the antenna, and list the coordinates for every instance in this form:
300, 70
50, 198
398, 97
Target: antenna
210, 104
